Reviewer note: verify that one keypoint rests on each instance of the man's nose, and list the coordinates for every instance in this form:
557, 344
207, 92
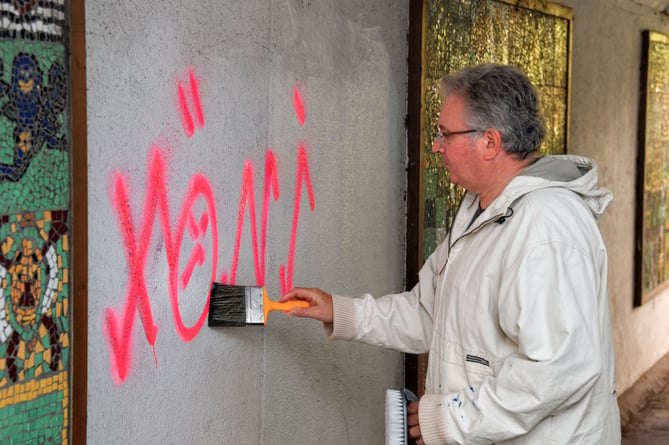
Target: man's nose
437, 146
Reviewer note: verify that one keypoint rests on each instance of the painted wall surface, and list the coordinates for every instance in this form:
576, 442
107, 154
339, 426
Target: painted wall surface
604, 106
247, 142
311, 94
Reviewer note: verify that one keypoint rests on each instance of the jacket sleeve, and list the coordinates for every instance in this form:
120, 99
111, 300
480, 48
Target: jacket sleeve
548, 307
400, 321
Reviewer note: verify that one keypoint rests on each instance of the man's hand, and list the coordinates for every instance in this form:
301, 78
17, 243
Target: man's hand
412, 423
320, 303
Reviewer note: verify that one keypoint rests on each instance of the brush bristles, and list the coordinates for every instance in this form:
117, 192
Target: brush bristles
227, 305
396, 433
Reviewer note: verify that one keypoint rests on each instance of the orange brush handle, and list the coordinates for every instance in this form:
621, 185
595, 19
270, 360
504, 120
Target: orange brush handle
269, 305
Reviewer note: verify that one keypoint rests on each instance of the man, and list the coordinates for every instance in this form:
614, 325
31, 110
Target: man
513, 305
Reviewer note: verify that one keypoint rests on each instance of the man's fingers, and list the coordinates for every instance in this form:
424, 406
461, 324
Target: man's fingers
413, 423
299, 293
320, 303
303, 312
291, 295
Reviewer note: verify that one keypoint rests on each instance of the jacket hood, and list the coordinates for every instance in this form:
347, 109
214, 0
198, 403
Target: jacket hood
575, 173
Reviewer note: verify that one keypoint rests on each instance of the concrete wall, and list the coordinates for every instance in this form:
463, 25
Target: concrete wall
347, 62
156, 375
604, 107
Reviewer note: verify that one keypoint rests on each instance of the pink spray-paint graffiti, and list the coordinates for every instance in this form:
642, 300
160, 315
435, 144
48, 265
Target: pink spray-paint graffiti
197, 217
186, 118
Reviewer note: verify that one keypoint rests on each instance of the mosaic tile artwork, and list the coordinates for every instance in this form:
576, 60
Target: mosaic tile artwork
33, 157
459, 33
655, 249
34, 225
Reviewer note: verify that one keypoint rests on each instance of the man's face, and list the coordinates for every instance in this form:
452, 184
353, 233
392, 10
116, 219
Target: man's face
459, 152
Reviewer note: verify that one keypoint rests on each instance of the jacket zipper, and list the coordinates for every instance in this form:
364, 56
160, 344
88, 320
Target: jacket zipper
492, 219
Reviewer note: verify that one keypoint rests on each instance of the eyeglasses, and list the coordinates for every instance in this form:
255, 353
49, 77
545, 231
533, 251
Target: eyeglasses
442, 136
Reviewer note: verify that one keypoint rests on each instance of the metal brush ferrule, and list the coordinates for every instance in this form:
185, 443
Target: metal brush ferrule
254, 305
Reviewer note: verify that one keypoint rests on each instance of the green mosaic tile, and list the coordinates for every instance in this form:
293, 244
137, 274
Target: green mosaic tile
37, 177
429, 184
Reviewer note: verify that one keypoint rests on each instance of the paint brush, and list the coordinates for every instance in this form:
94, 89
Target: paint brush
235, 305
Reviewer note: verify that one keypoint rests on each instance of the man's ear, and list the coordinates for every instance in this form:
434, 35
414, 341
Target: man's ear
493, 143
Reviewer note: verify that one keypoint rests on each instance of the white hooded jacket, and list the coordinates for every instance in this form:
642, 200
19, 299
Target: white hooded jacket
514, 313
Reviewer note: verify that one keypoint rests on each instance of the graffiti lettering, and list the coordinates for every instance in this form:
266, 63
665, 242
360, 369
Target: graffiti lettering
118, 327
186, 118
